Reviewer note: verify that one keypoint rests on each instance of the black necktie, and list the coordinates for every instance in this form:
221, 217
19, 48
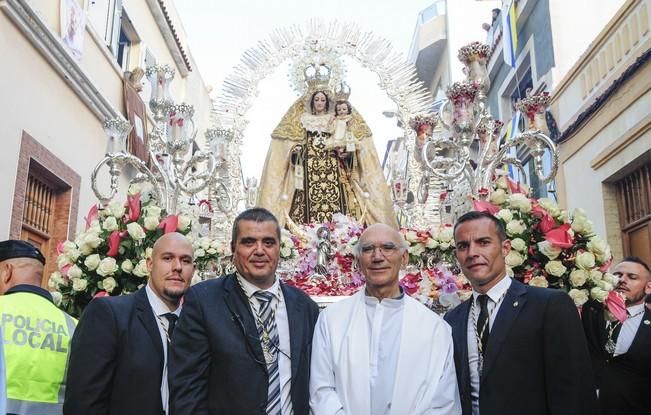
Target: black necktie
482, 321
171, 318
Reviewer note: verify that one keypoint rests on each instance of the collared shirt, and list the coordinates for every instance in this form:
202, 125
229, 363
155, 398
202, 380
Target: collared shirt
282, 323
629, 328
496, 296
384, 319
159, 309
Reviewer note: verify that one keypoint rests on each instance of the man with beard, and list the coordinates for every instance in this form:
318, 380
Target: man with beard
620, 350
118, 359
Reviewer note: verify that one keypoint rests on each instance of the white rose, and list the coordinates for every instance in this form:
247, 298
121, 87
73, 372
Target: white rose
611, 278
127, 266
411, 237
579, 297
539, 281
596, 275
88, 241
598, 294
68, 246
555, 268
107, 266
109, 284
136, 231
578, 277
57, 297
204, 243
515, 227
148, 252
153, 212
445, 235
62, 261
514, 259
134, 189
505, 215
549, 250
599, 248
444, 246
498, 197
150, 223
416, 249
115, 209
74, 272
73, 255
550, 206
580, 223
55, 280
432, 243
92, 262
141, 269
110, 224
585, 260
502, 183
79, 284
519, 245
520, 202
605, 285
213, 251
285, 252
184, 222
94, 226
199, 253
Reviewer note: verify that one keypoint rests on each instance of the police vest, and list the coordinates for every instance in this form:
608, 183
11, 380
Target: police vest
36, 340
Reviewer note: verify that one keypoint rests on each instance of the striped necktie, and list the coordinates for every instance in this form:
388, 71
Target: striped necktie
268, 332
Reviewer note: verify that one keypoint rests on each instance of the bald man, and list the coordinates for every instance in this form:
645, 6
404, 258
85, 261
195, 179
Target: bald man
119, 351
380, 351
35, 335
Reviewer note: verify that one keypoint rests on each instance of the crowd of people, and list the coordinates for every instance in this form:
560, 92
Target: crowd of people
247, 343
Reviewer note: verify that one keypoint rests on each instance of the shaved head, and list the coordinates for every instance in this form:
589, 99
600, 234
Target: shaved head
16, 271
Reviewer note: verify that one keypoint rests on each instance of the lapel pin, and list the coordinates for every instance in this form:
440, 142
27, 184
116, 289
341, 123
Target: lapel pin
515, 304
647, 322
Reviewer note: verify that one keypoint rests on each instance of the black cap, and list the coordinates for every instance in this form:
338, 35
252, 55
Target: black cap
19, 249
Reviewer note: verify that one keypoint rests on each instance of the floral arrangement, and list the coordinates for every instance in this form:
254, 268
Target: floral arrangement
473, 51
109, 256
549, 247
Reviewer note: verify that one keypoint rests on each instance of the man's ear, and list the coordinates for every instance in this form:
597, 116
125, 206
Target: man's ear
6, 273
506, 247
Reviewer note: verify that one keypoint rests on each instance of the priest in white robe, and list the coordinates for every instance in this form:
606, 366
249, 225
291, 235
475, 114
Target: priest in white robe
381, 352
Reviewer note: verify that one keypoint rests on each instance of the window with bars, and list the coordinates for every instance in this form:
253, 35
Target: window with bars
39, 205
634, 196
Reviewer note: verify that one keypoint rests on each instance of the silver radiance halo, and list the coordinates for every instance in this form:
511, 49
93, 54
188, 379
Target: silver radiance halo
318, 42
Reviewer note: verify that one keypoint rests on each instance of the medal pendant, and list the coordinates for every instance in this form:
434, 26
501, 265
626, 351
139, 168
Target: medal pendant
610, 346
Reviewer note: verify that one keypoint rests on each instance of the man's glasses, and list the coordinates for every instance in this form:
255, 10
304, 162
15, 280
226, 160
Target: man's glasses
386, 249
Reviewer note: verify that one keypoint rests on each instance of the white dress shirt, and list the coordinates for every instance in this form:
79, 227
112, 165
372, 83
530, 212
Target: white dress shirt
496, 297
629, 328
159, 309
384, 320
284, 356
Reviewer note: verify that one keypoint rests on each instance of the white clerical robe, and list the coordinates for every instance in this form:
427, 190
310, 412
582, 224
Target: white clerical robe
340, 377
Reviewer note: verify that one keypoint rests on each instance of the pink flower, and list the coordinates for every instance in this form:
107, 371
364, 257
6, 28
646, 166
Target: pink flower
101, 294
93, 214
169, 224
113, 244
133, 202
560, 237
483, 206
547, 223
514, 186
615, 304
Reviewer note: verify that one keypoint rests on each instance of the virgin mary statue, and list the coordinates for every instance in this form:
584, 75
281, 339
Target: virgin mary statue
308, 176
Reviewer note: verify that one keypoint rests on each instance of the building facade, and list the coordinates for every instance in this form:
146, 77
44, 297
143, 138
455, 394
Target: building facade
66, 66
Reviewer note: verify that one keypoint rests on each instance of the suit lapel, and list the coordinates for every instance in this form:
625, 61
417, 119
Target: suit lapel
513, 302
296, 326
146, 316
242, 315
460, 337
643, 335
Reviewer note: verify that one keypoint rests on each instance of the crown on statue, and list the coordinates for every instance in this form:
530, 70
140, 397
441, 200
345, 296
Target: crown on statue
342, 92
317, 77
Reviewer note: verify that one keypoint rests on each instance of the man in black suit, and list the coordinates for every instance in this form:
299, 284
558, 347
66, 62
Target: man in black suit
517, 349
242, 345
118, 362
620, 351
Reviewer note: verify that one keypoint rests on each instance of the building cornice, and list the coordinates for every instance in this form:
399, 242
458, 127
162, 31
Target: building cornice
168, 31
37, 32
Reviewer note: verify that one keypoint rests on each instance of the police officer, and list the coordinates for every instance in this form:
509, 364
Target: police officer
35, 333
